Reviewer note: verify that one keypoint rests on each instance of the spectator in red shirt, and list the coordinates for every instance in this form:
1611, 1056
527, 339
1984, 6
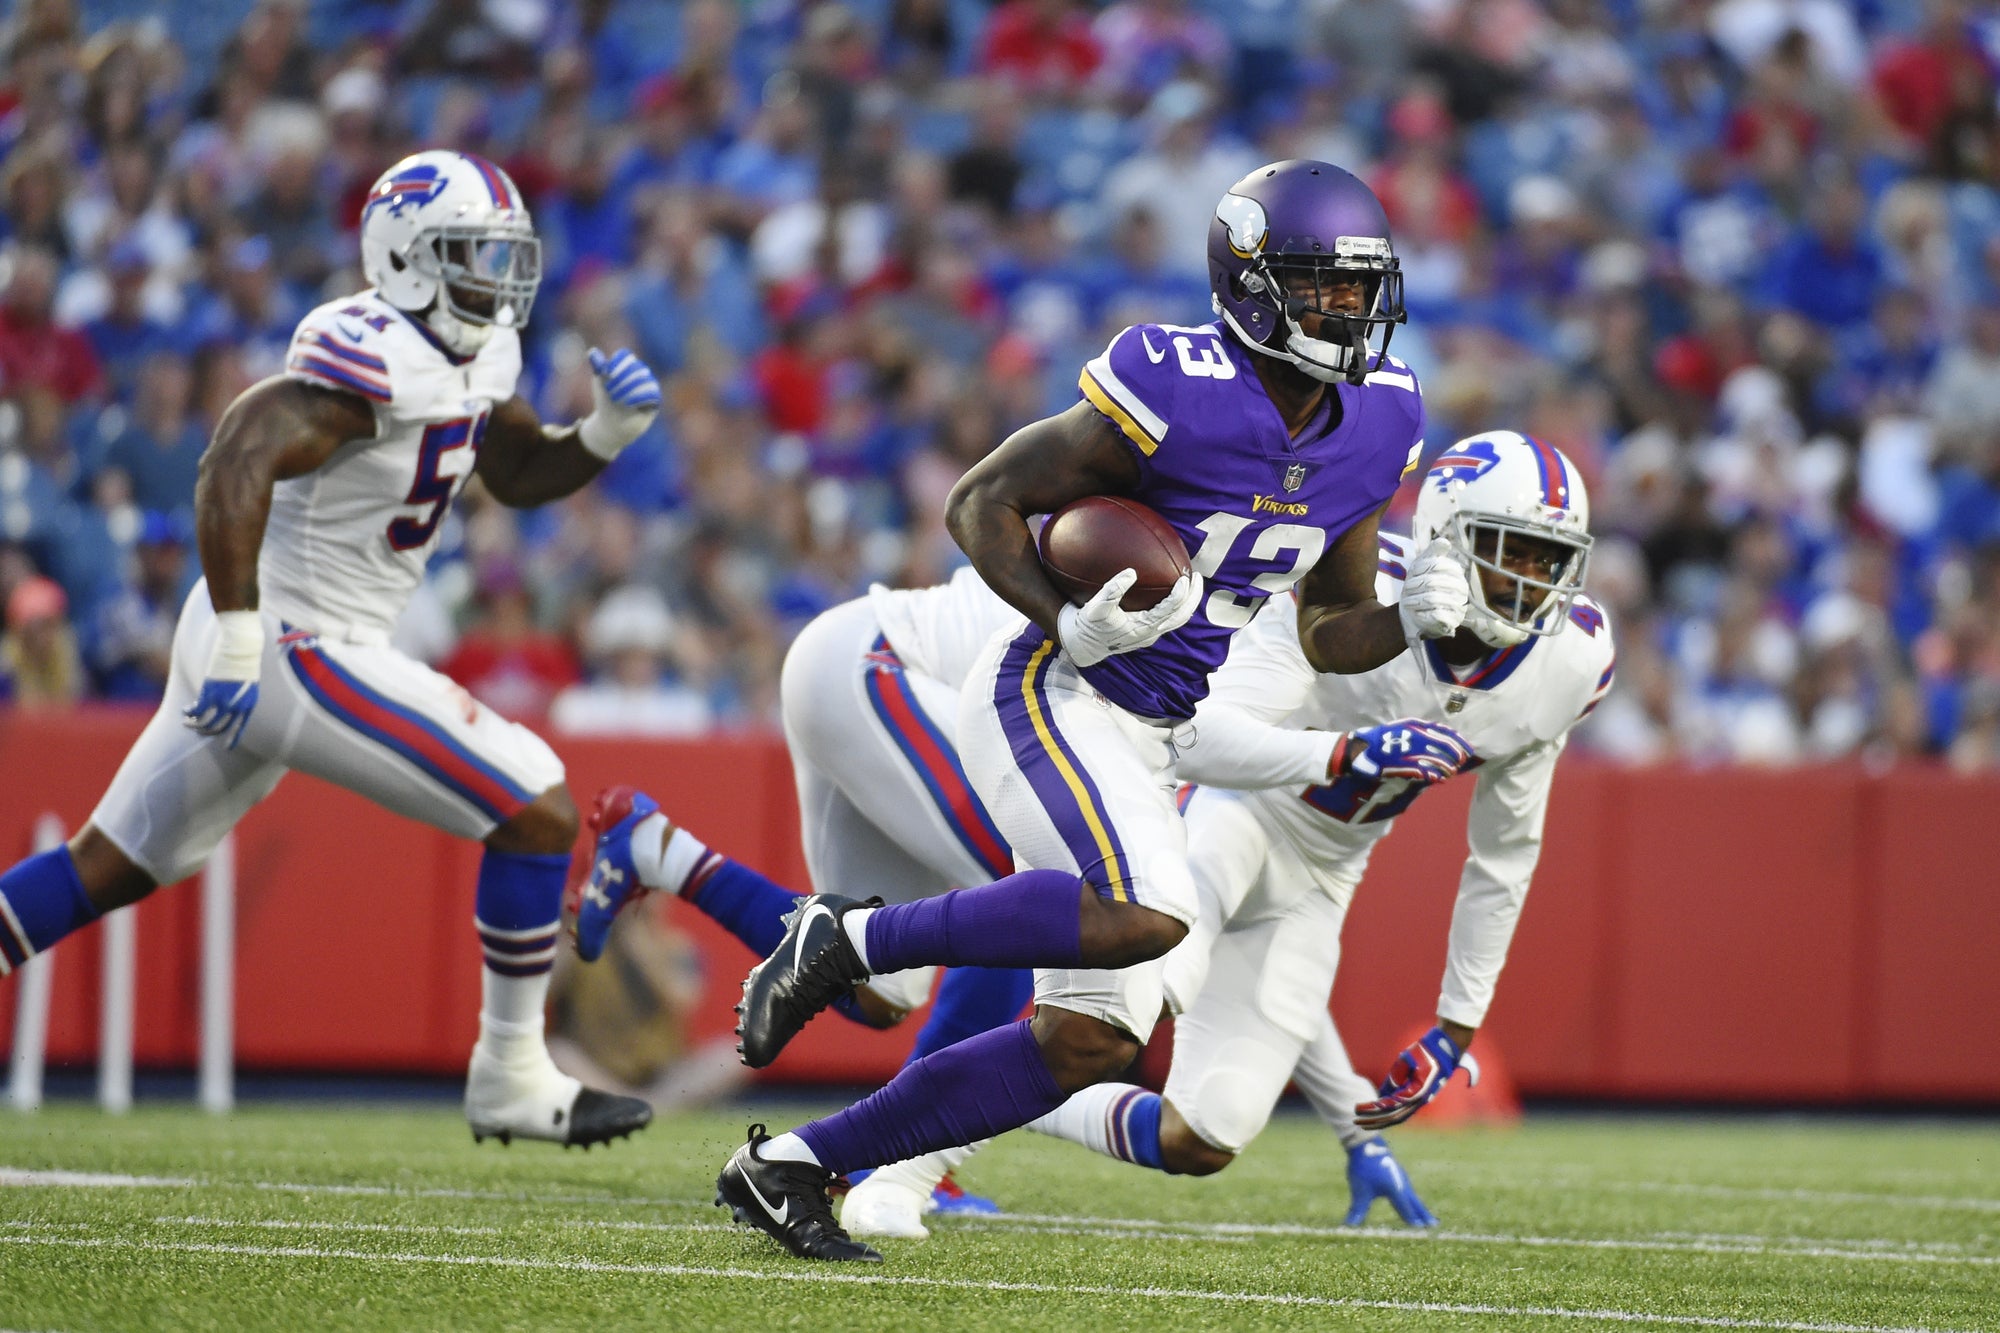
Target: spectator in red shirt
1417, 184
33, 350
1044, 47
504, 660
1920, 81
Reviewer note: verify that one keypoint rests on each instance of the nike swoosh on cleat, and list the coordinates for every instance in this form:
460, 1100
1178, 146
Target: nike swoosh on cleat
1151, 355
805, 924
777, 1215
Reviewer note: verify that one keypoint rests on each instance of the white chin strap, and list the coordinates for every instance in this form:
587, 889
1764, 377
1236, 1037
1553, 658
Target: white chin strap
1490, 629
1300, 348
464, 338
1297, 351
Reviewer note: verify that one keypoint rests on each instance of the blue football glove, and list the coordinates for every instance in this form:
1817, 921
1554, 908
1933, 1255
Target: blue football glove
1374, 1173
625, 397
223, 708
1412, 749
1418, 1075
229, 685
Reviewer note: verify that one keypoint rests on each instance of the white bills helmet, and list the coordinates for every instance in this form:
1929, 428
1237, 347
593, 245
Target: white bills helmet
446, 236
1502, 485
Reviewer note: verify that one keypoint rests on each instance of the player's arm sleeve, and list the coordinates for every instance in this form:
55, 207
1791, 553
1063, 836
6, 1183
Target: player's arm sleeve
1237, 740
1504, 839
341, 352
1133, 388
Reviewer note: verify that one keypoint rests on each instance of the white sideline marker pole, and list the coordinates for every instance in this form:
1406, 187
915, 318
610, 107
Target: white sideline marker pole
31, 1003
218, 979
114, 1032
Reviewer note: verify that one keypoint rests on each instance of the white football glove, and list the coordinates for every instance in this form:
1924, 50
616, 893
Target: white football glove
625, 398
1100, 628
1437, 593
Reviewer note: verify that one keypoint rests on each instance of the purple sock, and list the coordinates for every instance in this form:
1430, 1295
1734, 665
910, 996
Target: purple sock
1033, 919
983, 1086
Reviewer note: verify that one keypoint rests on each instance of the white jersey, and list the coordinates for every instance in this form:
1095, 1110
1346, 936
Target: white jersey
1515, 709
940, 630
346, 544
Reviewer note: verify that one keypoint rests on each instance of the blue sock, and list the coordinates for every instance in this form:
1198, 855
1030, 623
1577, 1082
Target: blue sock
41, 900
744, 903
517, 909
1138, 1120
752, 908
972, 1000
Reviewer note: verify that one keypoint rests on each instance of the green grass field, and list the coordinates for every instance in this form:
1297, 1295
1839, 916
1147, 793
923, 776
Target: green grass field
324, 1217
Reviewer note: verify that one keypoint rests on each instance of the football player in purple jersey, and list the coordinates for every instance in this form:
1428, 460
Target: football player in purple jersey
1271, 440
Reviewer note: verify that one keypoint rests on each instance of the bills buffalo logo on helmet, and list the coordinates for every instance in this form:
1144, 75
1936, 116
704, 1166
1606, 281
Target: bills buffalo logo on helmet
413, 187
1474, 458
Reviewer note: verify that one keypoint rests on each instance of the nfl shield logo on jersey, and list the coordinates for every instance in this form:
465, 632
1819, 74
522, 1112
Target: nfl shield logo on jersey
1295, 476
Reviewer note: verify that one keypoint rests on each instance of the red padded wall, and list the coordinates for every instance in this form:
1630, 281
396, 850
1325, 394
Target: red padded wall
1807, 935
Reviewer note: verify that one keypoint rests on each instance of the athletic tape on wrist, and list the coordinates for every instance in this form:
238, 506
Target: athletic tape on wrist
239, 646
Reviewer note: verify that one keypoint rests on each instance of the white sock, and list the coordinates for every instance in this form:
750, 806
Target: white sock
787, 1147
855, 923
1093, 1117
665, 863
510, 1014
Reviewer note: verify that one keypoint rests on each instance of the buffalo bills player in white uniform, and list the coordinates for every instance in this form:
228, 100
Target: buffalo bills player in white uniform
869, 697
1275, 869
1270, 441
318, 505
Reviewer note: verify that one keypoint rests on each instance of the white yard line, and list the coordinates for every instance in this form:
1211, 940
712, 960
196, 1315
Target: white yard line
1953, 1202
1869, 1249
958, 1284
22, 1177
1779, 1247
1572, 1180
291, 1224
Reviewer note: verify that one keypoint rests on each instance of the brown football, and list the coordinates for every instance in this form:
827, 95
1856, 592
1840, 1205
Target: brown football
1087, 541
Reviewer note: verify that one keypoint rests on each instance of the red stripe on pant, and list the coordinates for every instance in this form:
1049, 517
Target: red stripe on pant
964, 805
369, 715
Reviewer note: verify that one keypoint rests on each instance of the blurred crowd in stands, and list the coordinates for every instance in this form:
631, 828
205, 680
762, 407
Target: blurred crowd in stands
1740, 258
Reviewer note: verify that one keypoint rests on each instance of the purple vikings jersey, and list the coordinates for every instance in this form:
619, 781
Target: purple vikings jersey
1255, 507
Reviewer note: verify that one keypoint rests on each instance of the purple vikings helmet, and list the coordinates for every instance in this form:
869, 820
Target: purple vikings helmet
1284, 235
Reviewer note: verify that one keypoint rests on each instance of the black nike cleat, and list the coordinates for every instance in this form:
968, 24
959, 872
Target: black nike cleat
788, 1202
600, 1117
594, 1117
813, 965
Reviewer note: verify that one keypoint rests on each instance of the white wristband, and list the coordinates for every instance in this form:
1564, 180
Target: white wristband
239, 646
603, 438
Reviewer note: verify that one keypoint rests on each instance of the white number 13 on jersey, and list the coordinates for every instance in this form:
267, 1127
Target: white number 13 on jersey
1225, 608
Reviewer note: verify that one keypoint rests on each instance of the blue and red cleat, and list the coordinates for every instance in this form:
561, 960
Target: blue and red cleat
595, 901
948, 1197
1374, 1173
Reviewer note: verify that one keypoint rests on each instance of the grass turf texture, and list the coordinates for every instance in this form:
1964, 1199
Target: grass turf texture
335, 1217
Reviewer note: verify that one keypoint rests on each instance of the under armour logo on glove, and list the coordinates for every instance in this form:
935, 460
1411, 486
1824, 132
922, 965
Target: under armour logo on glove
1418, 1075
1411, 749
